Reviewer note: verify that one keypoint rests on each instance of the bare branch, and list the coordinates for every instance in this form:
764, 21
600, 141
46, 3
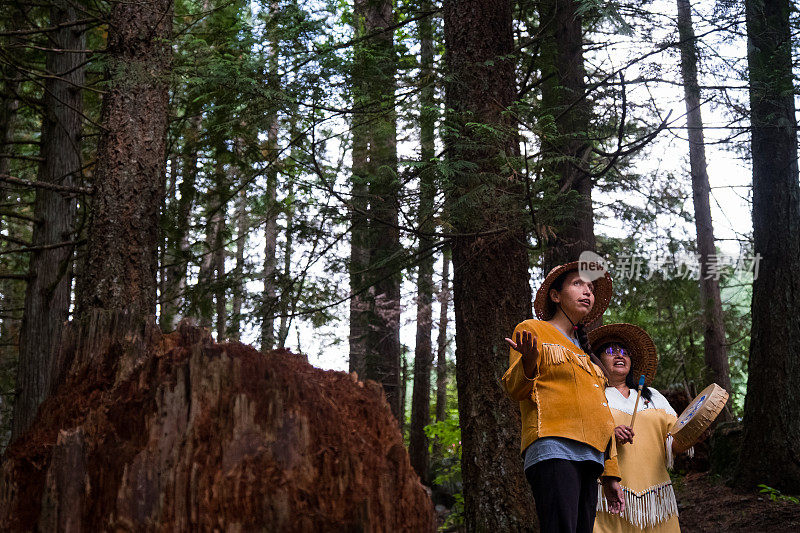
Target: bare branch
43, 247
43, 185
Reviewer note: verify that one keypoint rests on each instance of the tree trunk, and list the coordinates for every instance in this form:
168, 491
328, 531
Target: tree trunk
383, 350
8, 119
200, 436
269, 305
490, 261
8, 96
269, 301
423, 351
401, 417
441, 349
286, 305
123, 239
10, 290
242, 226
205, 276
359, 251
770, 451
564, 142
716, 353
178, 246
361, 300
421, 395
47, 298
178, 252
208, 278
220, 301
374, 97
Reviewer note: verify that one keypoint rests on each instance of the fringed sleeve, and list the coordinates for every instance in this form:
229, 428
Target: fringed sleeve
515, 382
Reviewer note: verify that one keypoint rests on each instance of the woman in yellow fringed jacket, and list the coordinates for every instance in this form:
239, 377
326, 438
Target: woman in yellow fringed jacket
567, 428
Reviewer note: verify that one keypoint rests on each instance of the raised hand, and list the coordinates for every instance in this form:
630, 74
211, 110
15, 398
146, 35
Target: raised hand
526, 345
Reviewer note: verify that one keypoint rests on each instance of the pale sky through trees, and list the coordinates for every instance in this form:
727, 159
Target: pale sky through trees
662, 163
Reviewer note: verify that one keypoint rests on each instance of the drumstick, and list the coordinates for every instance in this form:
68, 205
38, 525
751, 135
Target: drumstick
638, 395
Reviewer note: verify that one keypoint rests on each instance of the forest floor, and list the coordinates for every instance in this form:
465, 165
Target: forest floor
708, 505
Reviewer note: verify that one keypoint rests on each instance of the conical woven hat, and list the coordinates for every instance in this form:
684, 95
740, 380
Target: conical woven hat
644, 358
545, 308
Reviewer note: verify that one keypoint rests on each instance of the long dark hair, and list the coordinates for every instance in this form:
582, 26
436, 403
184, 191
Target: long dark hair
633, 383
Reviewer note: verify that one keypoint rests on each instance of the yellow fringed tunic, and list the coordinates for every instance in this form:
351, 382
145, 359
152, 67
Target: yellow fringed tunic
565, 398
649, 499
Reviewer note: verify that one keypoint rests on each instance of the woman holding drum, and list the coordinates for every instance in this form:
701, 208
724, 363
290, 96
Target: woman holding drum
567, 428
644, 452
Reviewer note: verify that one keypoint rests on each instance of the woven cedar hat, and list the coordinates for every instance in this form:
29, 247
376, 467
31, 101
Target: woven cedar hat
545, 308
644, 358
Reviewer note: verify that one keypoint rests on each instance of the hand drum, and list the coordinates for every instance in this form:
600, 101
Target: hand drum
696, 418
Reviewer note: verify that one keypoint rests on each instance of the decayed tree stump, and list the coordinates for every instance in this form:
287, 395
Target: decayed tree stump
152, 432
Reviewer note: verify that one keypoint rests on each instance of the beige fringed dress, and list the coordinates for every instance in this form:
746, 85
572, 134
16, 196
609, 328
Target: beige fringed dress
649, 499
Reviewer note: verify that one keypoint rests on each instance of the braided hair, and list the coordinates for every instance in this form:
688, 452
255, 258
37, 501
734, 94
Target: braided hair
583, 338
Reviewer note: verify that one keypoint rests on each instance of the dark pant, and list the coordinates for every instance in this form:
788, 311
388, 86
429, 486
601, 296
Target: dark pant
565, 493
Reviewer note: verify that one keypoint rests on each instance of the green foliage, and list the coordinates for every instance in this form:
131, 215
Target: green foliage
775, 495
445, 441
668, 308
607, 12
445, 436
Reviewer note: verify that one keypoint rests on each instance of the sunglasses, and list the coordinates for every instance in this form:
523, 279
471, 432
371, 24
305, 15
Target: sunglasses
616, 351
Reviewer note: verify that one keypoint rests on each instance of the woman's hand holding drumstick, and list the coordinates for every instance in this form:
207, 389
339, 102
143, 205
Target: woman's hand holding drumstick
624, 434
526, 345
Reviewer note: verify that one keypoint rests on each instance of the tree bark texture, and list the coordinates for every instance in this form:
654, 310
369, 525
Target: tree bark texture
208, 277
198, 436
716, 352
441, 349
441, 340
8, 118
359, 252
770, 451
423, 351
569, 227
47, 297
269, 305
121, 265
220, 298
9, 289
377, 66
490, 261
287, 306
242, 227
